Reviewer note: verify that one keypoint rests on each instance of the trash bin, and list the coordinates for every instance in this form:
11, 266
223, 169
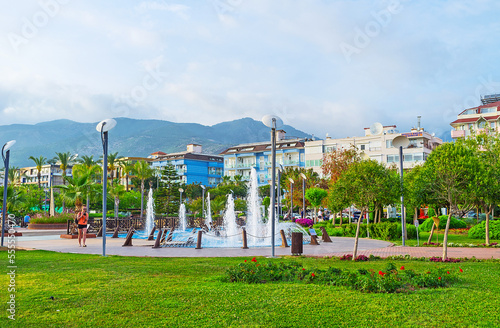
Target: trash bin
297, 245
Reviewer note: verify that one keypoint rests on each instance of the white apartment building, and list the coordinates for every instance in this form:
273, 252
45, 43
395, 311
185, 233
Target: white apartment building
51, 175
377, 144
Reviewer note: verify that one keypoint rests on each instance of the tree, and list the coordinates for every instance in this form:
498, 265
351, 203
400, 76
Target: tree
112, 165
338, 161
14, 176
366, 181
486, 187
64, 159
143, 171
39, 162
167, 196
127, 168
117, 191
315, 196
451, 169
87, 166
75, 190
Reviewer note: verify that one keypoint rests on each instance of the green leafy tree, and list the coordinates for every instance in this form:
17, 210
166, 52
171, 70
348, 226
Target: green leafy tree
294, 173
315, 196
39, 163
451, 169
117, 191
127, 169
64, 160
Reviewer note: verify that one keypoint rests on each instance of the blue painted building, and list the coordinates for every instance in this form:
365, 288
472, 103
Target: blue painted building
239, 160
192, 166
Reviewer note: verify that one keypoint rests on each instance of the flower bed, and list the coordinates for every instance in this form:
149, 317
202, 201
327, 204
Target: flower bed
389, 280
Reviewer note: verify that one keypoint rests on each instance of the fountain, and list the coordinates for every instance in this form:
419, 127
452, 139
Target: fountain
230, 235
150, 214
208, 218
182, 218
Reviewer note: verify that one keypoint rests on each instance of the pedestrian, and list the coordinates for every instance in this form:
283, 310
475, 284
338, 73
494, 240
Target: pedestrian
26, 219
320, 215
82, 218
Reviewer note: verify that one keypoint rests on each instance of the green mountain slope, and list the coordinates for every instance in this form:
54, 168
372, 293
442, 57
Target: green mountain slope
130, 137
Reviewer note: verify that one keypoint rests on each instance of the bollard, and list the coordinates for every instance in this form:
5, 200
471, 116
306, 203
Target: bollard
198, 242
128, 239
115, 234
158, 239
99, 234
284, 243
297, 247
324, 235
244, 232
152, 234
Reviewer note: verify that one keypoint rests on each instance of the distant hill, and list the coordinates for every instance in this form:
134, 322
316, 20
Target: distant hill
130, 137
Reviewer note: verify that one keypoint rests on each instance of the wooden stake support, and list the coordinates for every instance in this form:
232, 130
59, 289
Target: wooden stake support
128, 239
152, 234
158, 239
325, 236
244, 232
284, 243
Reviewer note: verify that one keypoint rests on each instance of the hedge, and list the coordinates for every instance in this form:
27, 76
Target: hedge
383, 231
454, 224
479, 230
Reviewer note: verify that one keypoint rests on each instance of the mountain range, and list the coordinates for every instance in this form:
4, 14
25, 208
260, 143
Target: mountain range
130, 137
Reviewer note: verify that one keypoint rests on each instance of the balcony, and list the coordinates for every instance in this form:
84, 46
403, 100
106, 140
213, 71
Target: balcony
457, 133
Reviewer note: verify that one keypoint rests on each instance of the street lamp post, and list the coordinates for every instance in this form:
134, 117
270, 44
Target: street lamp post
280, 171
291, 196
181, 191
103, 127
401, 141
304, 178
273, 122
5, 157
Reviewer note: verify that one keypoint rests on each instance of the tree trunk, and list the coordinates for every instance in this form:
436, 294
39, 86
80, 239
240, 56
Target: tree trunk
126, 182
432, 233
355, 252
445, 239
487, 227
88, 203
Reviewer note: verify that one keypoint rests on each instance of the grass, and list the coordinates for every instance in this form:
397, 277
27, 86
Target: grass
452, 238
113, 291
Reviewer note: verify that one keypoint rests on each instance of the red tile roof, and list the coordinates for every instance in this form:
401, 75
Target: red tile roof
466, 120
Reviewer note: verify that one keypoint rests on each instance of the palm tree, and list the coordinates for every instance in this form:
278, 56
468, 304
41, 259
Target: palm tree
39, 162
64, 159
88, 167
14, 176
117, 191
143, 171
76, 189
112, 165
126, 167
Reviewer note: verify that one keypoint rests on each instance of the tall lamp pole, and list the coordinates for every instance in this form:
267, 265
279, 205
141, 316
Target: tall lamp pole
401, 141
5, 157
291, 196
273, 122
181, 191
103, 127
304, 178
280, 171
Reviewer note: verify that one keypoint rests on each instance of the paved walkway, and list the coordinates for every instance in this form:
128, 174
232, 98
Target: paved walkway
51, 241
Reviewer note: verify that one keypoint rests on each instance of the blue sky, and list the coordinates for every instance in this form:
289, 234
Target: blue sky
331, 67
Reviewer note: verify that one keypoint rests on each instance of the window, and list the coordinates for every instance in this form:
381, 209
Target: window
488, 110
470, 126
392, 158
418, 157
482, 124
388, 144
362, 147
492, 125
408, 157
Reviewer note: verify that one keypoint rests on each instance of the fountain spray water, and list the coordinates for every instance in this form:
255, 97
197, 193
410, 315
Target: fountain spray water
208, 218
150, 213
230, 227
254, 217
182, 217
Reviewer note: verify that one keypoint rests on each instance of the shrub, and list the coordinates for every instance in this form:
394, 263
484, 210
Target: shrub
60, 218
389, 280
454, 224
479, 230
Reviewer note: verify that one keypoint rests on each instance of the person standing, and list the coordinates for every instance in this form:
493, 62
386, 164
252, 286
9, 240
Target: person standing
26, 220
83, 219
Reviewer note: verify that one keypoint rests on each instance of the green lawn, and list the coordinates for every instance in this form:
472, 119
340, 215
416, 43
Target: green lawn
452, 238
95, 291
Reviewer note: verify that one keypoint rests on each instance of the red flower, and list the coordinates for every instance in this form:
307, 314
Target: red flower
461, 270
303, 268
381, 273
448, 272
402, 268
245, 260
313, 275
439, 278
254, 260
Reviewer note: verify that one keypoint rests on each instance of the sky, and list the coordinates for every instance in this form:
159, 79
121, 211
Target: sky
324, 67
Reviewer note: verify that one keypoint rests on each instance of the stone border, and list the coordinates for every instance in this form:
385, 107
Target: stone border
47, 226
